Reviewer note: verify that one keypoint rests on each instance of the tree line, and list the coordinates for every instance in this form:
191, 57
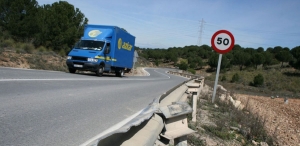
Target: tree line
56, 26
195, 57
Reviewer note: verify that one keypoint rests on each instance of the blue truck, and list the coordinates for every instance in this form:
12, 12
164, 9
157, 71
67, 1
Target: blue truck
102, 49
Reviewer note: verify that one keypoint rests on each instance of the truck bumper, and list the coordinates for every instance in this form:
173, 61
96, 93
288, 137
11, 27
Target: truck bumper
84, 66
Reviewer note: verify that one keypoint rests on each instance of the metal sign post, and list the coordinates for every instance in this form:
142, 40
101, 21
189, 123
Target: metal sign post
217, 78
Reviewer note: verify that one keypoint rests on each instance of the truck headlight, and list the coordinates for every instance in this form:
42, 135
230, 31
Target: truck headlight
92, 60
69, 57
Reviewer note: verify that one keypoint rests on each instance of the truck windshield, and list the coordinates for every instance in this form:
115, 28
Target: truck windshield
90, 45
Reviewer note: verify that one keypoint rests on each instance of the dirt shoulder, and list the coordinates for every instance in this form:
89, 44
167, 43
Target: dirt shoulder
281, 120
139, 71
44, 61
261, 121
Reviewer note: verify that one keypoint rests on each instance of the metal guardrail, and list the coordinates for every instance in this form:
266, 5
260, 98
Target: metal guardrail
161, 121
187, 75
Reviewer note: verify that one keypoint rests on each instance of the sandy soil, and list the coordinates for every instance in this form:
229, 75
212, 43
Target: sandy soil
139, 71
281, 120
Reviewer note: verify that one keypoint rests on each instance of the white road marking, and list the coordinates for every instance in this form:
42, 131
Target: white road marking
15, 80
79, 79
148, 74
31, 69
111, 129
163, 74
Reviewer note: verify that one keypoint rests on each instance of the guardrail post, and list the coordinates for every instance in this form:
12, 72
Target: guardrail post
176, 124
194, 89
194, 114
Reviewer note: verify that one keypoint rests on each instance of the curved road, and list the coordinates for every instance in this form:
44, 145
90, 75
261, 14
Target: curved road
56, 108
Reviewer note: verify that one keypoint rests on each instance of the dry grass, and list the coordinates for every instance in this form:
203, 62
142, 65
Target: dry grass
34, 60
223, 116
281, 82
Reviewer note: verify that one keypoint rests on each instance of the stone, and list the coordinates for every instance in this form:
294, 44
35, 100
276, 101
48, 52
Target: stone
263, 144
222, 97
254, 142
216, 106
210, 142
235, 128
221, 88
232, 100
243, 141
237, 104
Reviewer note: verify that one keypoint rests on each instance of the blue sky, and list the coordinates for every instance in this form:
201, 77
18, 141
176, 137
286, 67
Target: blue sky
176, 23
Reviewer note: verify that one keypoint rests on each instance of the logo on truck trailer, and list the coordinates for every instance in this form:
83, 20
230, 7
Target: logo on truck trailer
124, 45
94, 33
119, 43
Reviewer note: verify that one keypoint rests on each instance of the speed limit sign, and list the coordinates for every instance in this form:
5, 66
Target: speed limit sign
222, 41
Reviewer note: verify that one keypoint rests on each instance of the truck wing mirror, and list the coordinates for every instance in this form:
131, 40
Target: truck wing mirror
107, 50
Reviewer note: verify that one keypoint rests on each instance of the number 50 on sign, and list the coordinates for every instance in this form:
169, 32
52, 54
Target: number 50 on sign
222, 41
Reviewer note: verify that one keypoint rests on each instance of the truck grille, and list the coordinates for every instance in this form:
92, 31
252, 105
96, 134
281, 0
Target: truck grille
79, 58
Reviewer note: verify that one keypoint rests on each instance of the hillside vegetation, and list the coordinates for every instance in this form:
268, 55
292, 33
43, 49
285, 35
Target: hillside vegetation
54, 26
272, 71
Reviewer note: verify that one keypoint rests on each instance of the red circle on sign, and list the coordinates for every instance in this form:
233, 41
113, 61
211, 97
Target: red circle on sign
214, 46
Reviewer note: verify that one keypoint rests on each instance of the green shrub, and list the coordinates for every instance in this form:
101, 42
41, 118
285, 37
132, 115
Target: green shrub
18, 51
223, 78
222, 133
28, 48
7, 43
4, 35
183, 65
195, 140
62, 52
42, 49
235, 78
156, 62
258, 80
19, 45
1, 50
192, 71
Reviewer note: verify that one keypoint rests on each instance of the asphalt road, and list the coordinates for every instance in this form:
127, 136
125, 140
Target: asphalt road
62, 109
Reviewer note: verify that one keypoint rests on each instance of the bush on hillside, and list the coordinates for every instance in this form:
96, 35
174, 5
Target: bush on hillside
235, 78
183, 65
28, 48
258, 80
192, 71
223, 78
42, 49
7, 43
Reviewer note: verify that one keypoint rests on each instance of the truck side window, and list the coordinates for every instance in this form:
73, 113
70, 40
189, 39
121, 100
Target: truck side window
77, 45
107, 51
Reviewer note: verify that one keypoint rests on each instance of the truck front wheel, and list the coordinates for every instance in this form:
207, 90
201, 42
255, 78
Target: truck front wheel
72, 70
99, 71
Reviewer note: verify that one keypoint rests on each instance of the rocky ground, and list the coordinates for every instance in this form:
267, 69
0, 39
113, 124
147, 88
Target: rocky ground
44, 61
139, 71
281, 119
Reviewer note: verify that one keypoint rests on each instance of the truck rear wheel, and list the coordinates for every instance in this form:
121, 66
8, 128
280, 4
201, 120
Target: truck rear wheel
72, 70
120, 73
100, 70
